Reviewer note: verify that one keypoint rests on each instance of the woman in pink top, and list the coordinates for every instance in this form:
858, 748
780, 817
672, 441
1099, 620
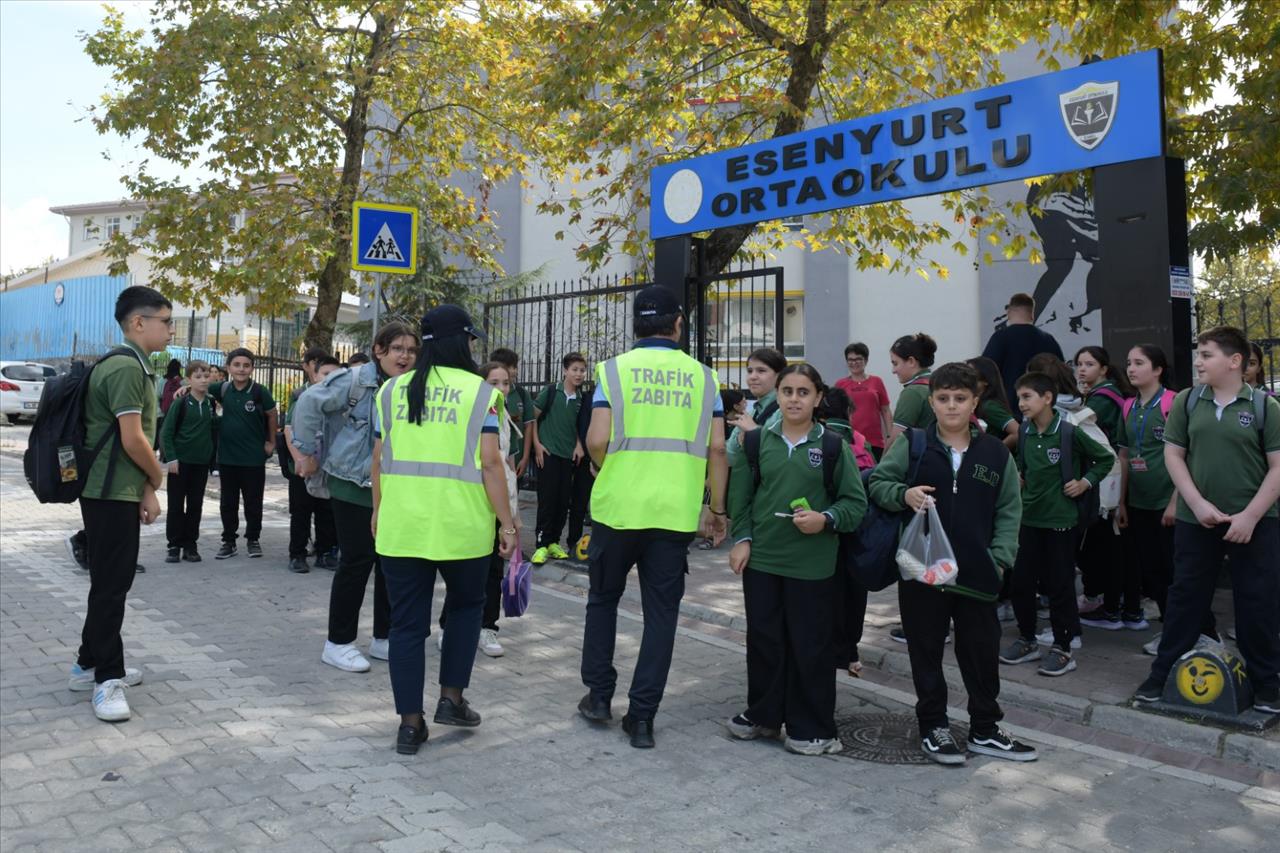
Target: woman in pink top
871, 415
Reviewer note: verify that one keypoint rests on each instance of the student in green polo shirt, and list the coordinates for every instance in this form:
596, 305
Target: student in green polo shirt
1050, 524
1227, 473
121, 392
784, 529
246, 440
557, 451
520, 408
911, 358
186, 447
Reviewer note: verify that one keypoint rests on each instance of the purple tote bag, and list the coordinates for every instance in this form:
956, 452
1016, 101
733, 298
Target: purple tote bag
517, 585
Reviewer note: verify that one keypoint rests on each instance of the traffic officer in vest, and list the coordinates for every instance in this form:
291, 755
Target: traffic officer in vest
439, 480
657, 432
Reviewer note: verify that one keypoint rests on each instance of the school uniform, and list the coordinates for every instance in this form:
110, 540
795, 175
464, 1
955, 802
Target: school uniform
187, 438
241, 456
996, 415
913, 409
848, 597
558, 433
977, 497
1103, 569
1050, 528
1226, 456
787, 584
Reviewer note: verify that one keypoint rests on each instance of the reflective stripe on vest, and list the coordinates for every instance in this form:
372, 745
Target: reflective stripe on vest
467, 471
621, 441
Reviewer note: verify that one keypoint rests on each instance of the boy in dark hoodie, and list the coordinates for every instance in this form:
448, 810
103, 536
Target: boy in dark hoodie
973, 481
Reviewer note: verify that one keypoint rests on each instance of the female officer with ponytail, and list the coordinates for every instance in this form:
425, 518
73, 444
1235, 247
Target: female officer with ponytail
438, 484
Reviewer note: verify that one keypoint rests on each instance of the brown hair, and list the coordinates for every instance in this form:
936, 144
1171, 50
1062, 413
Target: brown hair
1022, 300
1229, 339
490, 366
387, 336
196, 364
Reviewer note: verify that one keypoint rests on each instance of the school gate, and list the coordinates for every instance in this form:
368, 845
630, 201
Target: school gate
1105, 116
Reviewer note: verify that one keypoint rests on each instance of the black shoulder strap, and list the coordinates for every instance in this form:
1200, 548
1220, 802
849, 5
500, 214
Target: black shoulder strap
1023, 429
177, 420
751, 447
831, 450
1067, 431
915, 452
552, 391
766, 413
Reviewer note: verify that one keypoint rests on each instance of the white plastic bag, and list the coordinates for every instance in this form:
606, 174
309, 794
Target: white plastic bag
924, 553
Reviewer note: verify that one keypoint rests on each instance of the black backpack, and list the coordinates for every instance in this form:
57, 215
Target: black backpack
57, 462
1088, 505
869, 554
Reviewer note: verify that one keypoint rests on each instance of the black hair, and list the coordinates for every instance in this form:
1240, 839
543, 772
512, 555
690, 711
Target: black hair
1158, 359
241, 352
808, 371
314, 354
507, 357
770, 358
1064, 380
989, 373
1100, 355
327, 359
173, 370
1229, 339
1041, 383
361, 358
858, 349
572, 358
954, 376
1257, 353
919, 346
660, 325
731, 397
453, 351
138, 298
835, 404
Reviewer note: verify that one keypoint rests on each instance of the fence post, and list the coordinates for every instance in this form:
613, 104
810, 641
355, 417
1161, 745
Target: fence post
271, 353
779, 313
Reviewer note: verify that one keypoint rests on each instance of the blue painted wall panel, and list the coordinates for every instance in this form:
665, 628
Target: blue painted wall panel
33, 326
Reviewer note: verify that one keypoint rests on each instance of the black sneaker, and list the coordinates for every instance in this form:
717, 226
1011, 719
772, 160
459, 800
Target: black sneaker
450, 713
297, 565
191, 555
1267, 701
640, 731
173, 555
898, 635
1106, 620
409, 738
227, 550
140, 569
940, 746
998, 744
253, 548
1150, 690
78, 553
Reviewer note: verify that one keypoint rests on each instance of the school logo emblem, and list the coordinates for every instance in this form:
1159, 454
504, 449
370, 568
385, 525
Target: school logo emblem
815, 457
1055, 455
1088, 111
1246, 419
1158, 432
249, 406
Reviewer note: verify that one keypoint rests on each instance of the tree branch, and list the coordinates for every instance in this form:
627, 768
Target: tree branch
756, 25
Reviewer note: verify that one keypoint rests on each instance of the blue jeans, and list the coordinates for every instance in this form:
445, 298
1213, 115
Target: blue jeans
410, 582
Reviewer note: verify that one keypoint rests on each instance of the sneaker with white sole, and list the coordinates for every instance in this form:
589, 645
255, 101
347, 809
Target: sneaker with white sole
743, 729
1103, 619
380, 649
999, 744
815, 746
1204, 641
1004, 613
1134, 621
1057, 662
489, 643
345, 657
1152, 647
1020, 651
109, 702
1045, 638
82, 679
940, 745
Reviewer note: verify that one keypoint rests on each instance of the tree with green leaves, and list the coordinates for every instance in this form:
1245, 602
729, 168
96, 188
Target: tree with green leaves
289, 111
625, 85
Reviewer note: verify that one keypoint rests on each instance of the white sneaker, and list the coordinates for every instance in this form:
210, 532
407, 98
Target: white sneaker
109, 703
489, 643
345, 657
1203, 642
1152, 648
380, 649
1004, 613
1045, 638
817, 746
82, 679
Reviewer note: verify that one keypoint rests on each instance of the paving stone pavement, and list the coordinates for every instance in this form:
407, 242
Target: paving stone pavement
243, 740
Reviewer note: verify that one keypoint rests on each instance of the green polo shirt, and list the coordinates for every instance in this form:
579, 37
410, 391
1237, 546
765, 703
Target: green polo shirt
997, 417
119, 386
1224, 453
913, 409
193, 444
1043, 503
1108, 414
1143, 436
520, 408
558, 429
243, 430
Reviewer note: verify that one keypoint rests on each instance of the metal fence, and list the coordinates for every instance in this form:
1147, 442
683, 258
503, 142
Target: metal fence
1254, 314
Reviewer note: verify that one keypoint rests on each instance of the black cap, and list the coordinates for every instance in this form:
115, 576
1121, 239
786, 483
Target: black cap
445, 321
656, 301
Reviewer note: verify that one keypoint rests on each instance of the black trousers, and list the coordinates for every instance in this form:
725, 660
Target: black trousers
186, 504
1148, 544
111, 528
927, 616
662, 557
357, 560
247, 482
492, 592
1255, 587
789, 674
303, 507
579, 500
1105, 572
555, 496
1046, 560
848, 613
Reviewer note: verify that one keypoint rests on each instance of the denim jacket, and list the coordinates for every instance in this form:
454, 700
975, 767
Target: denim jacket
322, 409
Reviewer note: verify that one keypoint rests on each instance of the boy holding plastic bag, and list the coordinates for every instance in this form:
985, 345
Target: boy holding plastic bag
971, 481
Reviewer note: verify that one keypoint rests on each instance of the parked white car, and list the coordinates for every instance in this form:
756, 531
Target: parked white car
21, 383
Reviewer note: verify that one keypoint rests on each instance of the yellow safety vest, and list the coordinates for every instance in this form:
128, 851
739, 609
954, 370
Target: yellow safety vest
661, 402
434, 505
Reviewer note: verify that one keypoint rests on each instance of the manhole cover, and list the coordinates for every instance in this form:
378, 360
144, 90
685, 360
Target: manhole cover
886, 738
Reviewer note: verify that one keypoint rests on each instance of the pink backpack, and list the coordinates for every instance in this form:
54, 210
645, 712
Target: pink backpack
1166, 403
860, 453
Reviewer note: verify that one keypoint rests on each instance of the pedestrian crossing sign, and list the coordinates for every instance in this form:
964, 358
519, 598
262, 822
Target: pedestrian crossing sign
384, 238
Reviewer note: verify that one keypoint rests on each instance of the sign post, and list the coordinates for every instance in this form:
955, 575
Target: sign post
384, 239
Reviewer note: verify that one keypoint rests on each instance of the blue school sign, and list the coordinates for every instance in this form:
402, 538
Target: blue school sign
1094, 115
384, 238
